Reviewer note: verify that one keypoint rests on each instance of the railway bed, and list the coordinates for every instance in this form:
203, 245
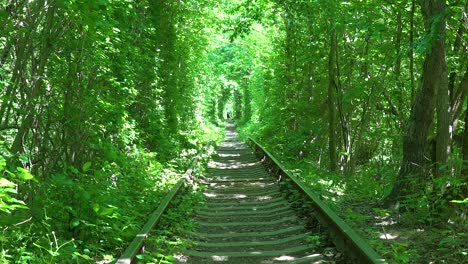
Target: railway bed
248, 216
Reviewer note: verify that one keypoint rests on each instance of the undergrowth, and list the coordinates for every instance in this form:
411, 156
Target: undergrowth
89, 214
167, 242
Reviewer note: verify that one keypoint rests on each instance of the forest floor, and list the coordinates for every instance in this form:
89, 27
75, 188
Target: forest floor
400, 238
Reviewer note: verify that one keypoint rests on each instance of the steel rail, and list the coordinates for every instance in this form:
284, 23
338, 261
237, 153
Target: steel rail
136, 245
343, 236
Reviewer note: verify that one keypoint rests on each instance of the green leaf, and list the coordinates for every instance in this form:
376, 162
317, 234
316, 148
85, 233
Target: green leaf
74, 223
2, 163
10, 173
6, 183
464, 201
107, 211
96, 207
78, 254
10, 190
19, 206
24, 173
14, 200
24, 158
74, 170
86, 166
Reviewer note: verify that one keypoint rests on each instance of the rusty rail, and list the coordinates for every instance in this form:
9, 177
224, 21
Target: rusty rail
343, 236
137, 243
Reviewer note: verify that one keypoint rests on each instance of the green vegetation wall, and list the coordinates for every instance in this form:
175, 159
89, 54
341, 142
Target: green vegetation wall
101, 101
338, 84
96, 98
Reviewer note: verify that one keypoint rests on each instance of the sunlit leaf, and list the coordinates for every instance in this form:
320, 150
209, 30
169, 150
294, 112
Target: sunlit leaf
6, 183
464, 201
86, 166
96, 207
24, 174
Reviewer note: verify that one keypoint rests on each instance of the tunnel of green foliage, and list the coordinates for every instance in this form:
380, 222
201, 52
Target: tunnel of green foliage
103, 104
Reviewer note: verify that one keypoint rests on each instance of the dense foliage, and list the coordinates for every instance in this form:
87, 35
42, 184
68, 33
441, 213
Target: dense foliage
366, 100
101, 108
103, 103
338, 84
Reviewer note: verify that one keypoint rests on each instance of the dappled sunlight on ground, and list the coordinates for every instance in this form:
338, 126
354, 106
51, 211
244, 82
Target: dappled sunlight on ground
264, 198
261, 184
238, 196
231, 165
216, 185
226, 155
235, 145
181, 258
284, 258
384, 221
388, 236
229, 179
220, 258
312, 258
226, 196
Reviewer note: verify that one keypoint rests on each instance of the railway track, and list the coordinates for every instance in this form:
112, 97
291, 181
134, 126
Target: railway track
247, 217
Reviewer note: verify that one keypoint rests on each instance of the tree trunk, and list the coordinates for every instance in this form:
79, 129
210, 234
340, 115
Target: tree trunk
163, 16
458, 96
398, 38
411, 50
444, 131
411, 177
465, 152
37, 69
459, 99
331, 99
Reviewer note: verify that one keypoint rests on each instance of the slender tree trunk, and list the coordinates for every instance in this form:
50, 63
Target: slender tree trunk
411, 50
458, 96
444, 115
465, 150
411, 178
456, 49
459, 99
164, 17
398, 38
19, 72
332, 86
37, 70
